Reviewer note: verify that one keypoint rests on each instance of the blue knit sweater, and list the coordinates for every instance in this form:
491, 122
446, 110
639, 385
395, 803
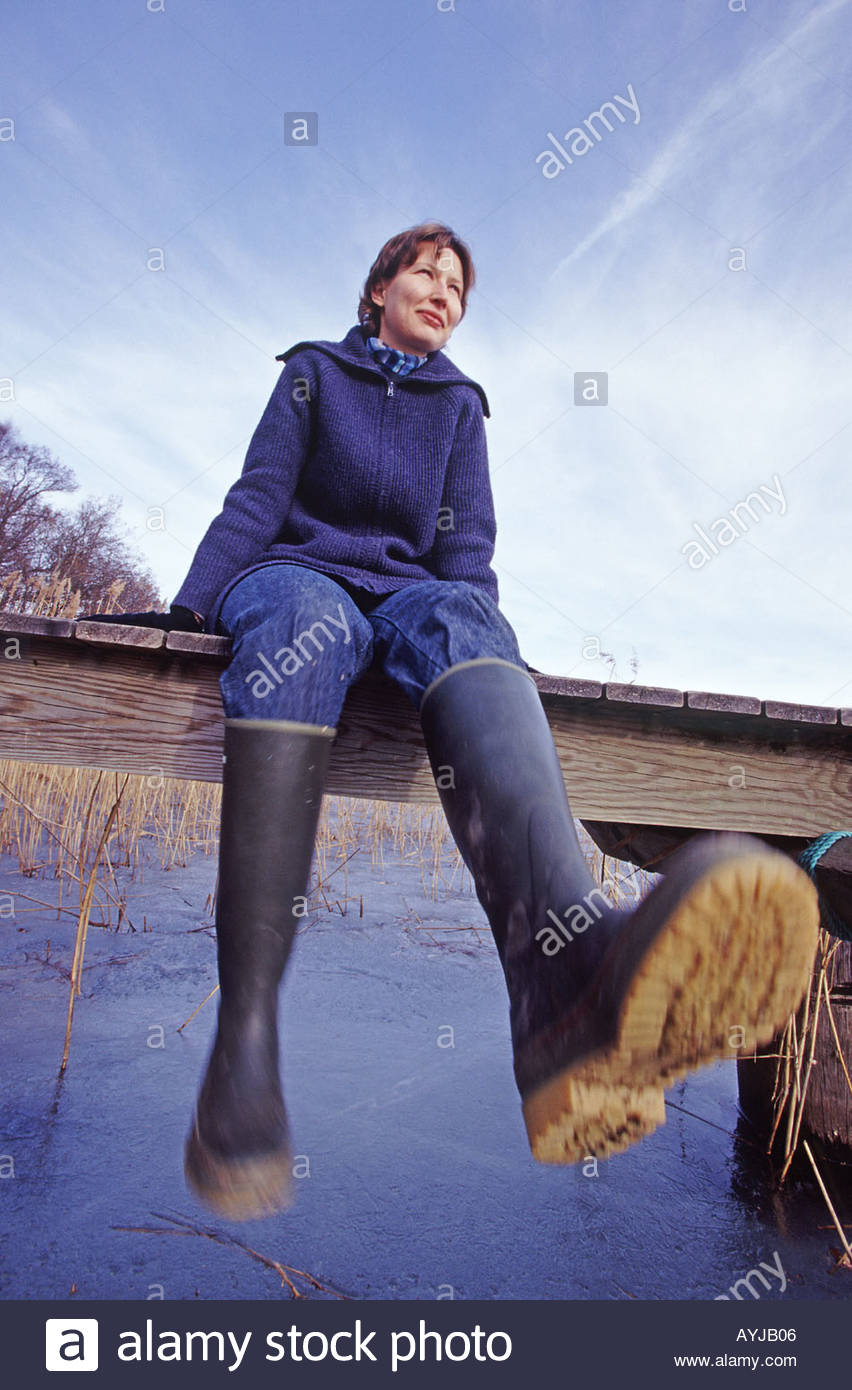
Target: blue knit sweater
380, 481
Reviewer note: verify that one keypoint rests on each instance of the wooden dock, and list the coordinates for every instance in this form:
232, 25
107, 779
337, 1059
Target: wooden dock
104, 695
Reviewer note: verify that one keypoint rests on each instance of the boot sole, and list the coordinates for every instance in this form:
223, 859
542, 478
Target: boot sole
721, 949
241, 1189
572, 1118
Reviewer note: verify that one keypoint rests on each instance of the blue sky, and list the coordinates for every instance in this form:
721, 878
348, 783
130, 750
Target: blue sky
698, 255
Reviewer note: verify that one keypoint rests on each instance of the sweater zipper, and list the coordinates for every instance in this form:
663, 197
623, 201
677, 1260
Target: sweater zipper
377, 510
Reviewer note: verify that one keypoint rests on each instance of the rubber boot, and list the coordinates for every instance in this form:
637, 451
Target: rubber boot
237, 1156
607, 1005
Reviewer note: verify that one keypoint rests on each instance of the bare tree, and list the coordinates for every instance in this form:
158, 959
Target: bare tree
26, 475
83, 547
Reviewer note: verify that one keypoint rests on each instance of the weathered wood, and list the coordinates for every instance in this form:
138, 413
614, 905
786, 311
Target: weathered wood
25, 624
645, 765
648, 846
645, 846
198, 643
724, 704
137, 699
82, 704
806, 714
828, 1103
567, 685
827, 1112
644, 695
119, 635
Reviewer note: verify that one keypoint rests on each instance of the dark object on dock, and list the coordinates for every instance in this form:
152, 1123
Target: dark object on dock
827, 1105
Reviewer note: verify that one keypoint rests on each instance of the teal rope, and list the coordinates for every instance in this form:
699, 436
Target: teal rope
809, 858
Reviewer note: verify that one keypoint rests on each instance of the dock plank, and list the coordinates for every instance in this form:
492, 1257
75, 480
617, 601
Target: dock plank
119, 634
644, 695
723, 704
800, 714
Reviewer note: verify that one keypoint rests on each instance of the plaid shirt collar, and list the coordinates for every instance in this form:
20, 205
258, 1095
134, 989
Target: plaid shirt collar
399, 362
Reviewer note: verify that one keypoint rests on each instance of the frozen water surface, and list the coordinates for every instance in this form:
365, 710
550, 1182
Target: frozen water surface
415, 1179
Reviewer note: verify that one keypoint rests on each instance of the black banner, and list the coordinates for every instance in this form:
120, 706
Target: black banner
419, 1344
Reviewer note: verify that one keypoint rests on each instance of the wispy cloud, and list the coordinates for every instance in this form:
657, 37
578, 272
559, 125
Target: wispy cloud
697, 141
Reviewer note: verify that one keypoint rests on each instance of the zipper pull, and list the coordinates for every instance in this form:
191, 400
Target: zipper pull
390, 388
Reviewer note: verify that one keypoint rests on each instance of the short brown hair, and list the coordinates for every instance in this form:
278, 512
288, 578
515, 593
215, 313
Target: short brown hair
399, 253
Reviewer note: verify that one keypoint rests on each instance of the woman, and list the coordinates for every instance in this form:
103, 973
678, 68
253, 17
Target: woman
362, 531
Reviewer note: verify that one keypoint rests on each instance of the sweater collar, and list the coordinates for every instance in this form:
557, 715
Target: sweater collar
352, 350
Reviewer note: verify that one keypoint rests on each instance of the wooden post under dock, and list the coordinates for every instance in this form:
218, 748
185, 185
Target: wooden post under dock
645, 768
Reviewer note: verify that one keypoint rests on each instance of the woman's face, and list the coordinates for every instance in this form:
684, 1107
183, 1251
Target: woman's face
421, 305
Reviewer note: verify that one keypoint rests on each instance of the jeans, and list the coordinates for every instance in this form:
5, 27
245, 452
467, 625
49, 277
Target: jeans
300, 639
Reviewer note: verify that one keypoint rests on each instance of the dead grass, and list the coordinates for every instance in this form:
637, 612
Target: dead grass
796, 1054
53, 597
52, 819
